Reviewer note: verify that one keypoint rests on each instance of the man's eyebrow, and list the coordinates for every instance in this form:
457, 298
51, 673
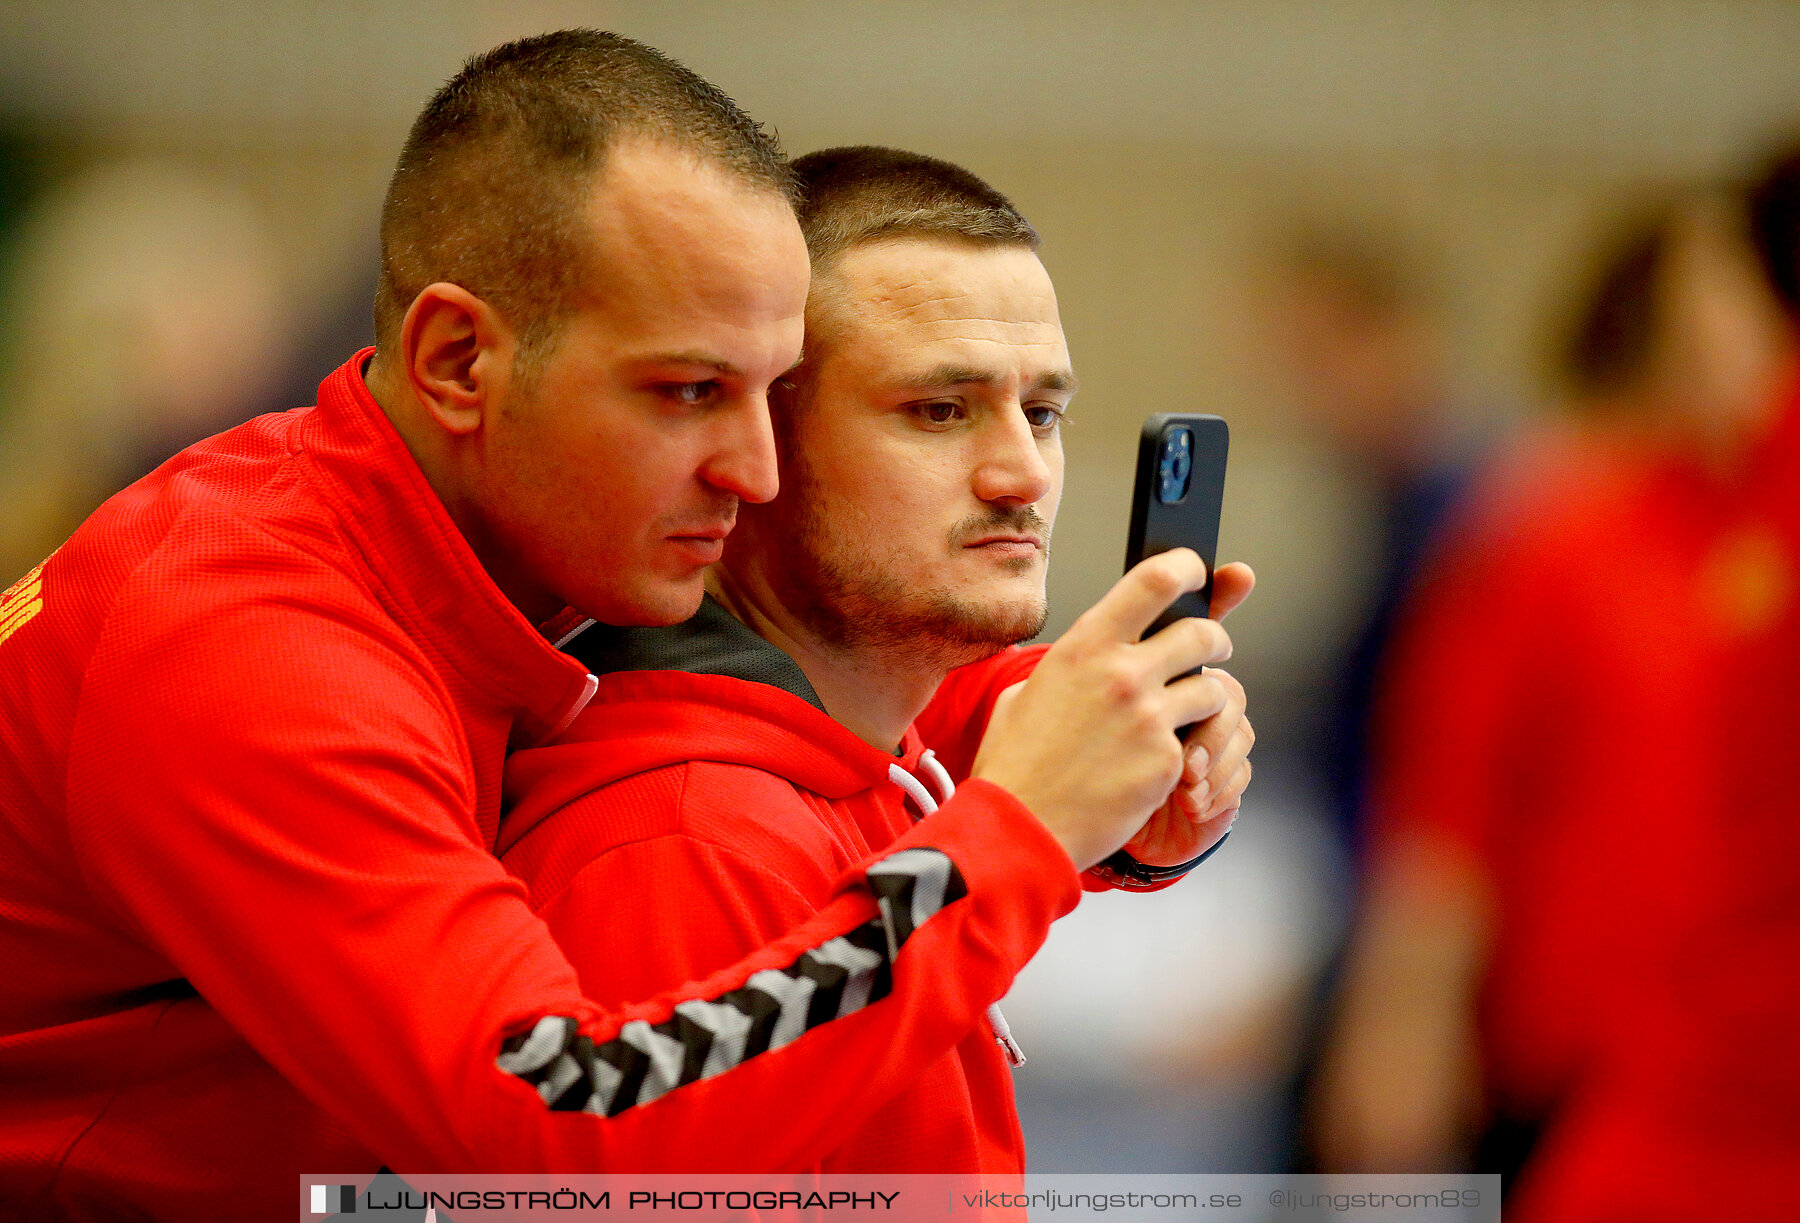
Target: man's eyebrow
705, 360
968, 375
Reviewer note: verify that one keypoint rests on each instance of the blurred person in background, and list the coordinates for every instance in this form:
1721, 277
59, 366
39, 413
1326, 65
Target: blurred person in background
1723, 1121
144, 311
1353, 331
1512, 973
1353, 324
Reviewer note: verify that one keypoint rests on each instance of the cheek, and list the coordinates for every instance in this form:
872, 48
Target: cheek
852, 478
859, 506
612, 467
590, 476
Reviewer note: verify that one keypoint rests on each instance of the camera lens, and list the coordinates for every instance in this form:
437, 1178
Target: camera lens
1174, 464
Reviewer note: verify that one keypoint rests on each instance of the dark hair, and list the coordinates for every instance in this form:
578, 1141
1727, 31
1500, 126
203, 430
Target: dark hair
1368, 265
1772, 207
860, 193
1610, 339
494, 175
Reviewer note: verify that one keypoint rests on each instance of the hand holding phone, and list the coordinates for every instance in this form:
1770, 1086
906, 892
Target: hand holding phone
1176, 503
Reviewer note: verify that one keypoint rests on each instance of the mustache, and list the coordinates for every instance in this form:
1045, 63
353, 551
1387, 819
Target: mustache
1020, 519
721, 509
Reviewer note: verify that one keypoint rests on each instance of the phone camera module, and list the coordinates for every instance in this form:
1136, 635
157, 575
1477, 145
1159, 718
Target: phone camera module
1174, 465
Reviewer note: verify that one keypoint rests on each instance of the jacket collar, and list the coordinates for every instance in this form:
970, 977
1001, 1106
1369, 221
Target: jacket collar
709, 689
711, 642
423, 571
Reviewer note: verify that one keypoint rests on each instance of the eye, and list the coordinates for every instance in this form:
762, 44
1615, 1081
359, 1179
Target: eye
1044, 417
939, 412
691, 393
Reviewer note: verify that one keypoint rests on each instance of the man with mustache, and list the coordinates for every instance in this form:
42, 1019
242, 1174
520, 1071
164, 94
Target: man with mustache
253, 713
733, 767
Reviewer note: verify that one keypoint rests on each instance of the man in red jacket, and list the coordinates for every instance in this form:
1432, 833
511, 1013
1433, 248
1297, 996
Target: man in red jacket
732, 767
253, 713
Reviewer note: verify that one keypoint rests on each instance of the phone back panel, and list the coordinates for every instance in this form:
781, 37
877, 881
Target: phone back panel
1193, 520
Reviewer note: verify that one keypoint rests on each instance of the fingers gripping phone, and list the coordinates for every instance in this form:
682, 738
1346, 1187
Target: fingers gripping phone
1180, 492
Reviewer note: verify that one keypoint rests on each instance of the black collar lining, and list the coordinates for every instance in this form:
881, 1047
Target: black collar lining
713, 642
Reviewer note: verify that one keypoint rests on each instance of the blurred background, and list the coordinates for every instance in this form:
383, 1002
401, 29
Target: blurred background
1367, 232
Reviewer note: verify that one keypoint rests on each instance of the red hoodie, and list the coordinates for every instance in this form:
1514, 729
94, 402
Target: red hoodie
252, 721
690, 815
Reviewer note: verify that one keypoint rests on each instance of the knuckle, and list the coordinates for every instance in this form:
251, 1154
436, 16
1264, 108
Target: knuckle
1095, 652
1162, 580
1119, 680
1199, 638
1072, 653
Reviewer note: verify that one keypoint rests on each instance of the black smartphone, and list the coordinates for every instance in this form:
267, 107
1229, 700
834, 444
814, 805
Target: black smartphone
1180, 491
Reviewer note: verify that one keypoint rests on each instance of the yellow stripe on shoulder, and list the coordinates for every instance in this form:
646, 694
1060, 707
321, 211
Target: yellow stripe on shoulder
19, 596
20, 603
18, 587
10, 626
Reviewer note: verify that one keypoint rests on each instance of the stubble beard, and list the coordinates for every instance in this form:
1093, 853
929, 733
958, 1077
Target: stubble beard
847, 592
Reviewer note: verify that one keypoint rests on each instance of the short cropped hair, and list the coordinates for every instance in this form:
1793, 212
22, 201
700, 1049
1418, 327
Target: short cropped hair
862, 193
1608, 343
858, 194
1371, 267
495, 174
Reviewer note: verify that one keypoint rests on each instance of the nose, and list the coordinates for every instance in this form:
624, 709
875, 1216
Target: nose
743, 463
1014, 469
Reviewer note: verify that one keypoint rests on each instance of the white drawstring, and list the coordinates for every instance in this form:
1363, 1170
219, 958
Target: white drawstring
1002, 1033
915, 790
939, 775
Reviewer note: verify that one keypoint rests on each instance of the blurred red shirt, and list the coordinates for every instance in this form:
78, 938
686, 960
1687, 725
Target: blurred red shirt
1567, 709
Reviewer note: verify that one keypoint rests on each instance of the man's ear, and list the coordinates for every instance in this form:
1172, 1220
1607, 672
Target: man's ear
457, 354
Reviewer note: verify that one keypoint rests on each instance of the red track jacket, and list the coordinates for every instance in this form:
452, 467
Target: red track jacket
687, 817
252, 722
